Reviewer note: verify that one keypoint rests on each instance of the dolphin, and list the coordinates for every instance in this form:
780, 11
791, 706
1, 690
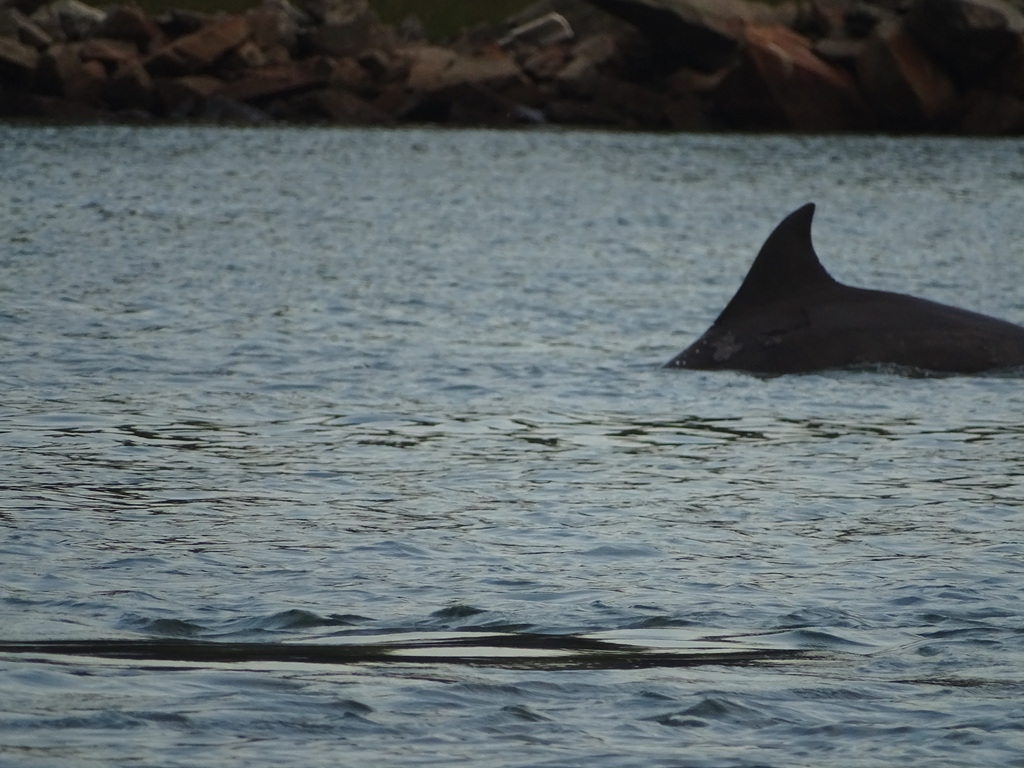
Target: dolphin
791, 316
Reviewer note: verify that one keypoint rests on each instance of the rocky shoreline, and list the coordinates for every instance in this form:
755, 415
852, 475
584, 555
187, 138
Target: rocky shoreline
901, 66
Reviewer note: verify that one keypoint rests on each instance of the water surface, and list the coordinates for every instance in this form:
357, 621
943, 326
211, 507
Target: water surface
310, 388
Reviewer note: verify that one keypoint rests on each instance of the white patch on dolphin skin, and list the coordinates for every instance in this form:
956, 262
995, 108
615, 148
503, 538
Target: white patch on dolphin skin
725, 347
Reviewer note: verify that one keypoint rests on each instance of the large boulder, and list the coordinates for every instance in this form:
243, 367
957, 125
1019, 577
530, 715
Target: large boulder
344, 27
336, 105
183, 97
907, 90
63, 72
992, 114
966, 36
15, 24
1008, 76
129, 23
130, 88
781, 84
18, 63
68, 19
432, 69
702, 34
199, 50
284, 80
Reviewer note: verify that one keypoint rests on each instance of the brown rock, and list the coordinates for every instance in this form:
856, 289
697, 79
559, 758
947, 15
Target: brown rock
383, 66
62, 72
685, 112
588, 57
68, 19
546, 63
273, 25
130, 87
1008, 75
906, 89
433, 69
349, 75
338, 106
278, 81
182, 97
109, 52
781, 84
18, 63
467, 103
701, 34
129, 23
15, 24
246, 56
576, 112
199, 50
992, 114
50, 108
427, 65
638, 106
840, 51
346, 28
965, 36
393, 99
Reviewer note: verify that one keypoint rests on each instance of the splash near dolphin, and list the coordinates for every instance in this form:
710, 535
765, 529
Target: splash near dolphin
791, 316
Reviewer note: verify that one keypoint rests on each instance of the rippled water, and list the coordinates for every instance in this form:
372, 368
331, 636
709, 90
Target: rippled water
344, 401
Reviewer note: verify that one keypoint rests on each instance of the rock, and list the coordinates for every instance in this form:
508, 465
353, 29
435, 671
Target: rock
684, 107
338, 106
345, 28
1008, 77
335, 11
432, 68
273, 25
262, 85
184, 97
906, 89
199, 50
860, 19
110, 52
992, 114
636, 105
62, 72
49, 108
576, 112
701, 34
237, 61
341, 39
588, 57
180, 22
840, 51
68, 19
383, 66
15, 24
965, 36
18, 63
130, 88
128, 22
218, 109
546, 63
781, 84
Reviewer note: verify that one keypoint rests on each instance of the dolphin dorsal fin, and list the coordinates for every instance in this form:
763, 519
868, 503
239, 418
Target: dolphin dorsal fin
785, 266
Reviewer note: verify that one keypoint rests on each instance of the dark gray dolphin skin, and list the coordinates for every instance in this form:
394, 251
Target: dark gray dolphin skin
791, 316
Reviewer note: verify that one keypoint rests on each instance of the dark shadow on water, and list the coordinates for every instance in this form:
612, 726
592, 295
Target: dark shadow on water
507, 650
